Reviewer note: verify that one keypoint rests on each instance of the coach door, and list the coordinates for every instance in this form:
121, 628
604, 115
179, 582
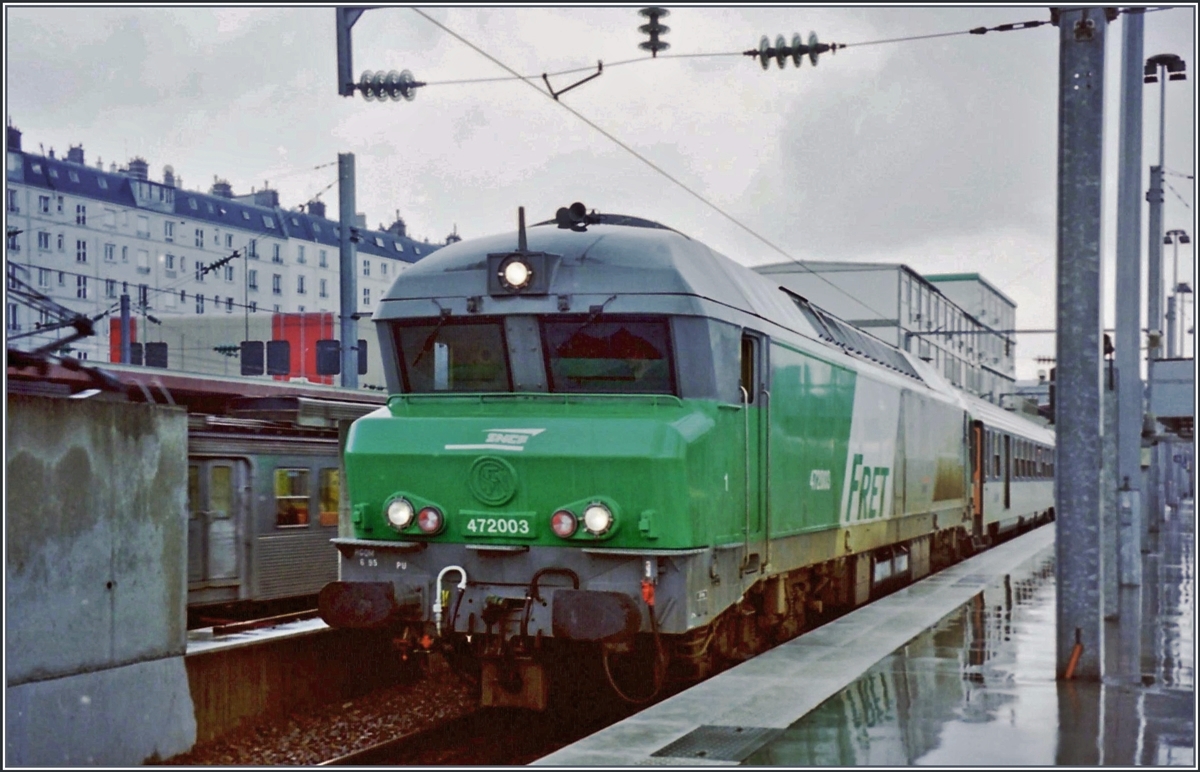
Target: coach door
215, 524
977, 476
756, 416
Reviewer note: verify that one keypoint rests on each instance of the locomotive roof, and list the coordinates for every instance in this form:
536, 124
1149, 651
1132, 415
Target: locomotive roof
607, 259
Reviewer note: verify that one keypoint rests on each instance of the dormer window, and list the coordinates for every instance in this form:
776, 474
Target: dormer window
192, 203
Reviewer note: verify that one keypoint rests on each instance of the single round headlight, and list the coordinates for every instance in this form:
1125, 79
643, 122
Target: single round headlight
564, 523
400, 513
429, 520
516, 273
597, 519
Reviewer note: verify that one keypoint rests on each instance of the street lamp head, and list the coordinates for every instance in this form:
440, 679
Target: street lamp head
1174, 65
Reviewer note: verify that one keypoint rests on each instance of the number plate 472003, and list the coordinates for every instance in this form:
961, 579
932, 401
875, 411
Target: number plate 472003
507, 525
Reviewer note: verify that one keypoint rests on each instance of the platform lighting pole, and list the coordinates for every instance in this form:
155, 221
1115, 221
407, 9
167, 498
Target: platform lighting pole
125, 347
349, 324
1130, 407
1078, 408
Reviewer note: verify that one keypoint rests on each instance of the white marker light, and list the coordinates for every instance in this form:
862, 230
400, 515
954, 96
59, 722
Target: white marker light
400, 514
516, 274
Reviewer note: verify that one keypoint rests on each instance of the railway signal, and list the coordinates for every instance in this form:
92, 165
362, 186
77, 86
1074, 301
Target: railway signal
781, 51
654, 30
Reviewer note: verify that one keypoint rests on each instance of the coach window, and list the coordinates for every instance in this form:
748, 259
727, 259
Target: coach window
329, 496
291, 497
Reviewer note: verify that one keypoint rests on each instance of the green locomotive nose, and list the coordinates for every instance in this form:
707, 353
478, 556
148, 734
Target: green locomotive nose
509, 473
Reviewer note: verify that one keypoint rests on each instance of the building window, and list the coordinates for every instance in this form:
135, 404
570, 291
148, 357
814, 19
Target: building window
200, 238
252, 278
61, 203
143, 296
81, 250
321, 289
81, 214
366, 267
383, 269
143, 261
170, 262
13, 206
199, 271
323, 260
229, 273
44, 204
44, 241
300, 285
13, 324
399, 247
74, 177
110, 288
229, 240
199, 303
143, 226
61, 242
253, 306
268, 221
168, 231
276, 284
229, 305
110, 253
124, 254
252, 248
182, 296
276, 308
43, 277
300, 309
300, 254
366, 296
276, 257
81, 287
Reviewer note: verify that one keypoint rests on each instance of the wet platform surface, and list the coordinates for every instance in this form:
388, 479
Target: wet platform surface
979, 688
973, 686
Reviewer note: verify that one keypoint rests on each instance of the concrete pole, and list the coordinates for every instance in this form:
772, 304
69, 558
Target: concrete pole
349, 328
125, 347
1078, 405
1129, 278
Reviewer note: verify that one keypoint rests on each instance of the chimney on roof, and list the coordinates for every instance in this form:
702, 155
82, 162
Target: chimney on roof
52, 152
169, 176
454, 238
360, 221
139, 169
75, 154
14, 138
99, 163
398, 228
221, 188
316, 208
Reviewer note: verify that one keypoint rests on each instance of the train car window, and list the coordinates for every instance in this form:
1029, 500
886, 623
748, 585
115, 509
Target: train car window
291, 497
220, 490
746, 378
329, 484
464, 355
996, 457
616, 355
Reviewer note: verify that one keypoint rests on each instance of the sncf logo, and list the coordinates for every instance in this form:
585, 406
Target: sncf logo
501, 439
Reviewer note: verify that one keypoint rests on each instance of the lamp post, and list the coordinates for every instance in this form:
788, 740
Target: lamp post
1184, 289
1174, 341
1175, 69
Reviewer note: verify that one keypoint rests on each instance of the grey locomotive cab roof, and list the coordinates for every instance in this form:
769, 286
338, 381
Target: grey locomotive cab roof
633, 258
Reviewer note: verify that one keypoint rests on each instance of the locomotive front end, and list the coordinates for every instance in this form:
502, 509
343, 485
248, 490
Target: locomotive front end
532, 483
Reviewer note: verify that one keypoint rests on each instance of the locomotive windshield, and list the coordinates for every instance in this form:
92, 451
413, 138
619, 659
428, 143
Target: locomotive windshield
459, 355
579, 355
618, 355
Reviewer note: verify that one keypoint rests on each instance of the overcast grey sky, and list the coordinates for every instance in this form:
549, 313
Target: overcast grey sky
938, 153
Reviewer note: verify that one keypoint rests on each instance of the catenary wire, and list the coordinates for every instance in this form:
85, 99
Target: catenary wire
1176, 192
650, 163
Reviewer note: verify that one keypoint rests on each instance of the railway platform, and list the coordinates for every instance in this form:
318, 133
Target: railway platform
955, 670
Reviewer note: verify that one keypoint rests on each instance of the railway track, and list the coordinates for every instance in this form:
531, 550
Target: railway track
489, 736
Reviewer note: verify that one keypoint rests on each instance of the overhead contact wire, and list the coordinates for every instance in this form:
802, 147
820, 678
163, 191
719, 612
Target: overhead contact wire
648, 162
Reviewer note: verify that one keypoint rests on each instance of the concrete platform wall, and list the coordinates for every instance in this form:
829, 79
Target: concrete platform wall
95, 582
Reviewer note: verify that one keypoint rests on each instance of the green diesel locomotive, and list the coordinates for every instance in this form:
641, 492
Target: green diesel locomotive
604, 439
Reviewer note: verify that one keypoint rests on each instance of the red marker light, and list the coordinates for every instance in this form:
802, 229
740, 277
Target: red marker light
564, 523
429, 520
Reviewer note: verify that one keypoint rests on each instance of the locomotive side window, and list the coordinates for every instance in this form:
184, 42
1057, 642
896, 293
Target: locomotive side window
460, 355
620, 355
329, 483
291, 497
747, 374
